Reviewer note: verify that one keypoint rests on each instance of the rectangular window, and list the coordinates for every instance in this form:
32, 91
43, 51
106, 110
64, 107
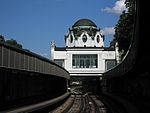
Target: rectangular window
84, 61
110, 64
60, 62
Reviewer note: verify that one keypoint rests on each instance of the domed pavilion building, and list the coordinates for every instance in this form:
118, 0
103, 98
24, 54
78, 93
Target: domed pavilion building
84, 55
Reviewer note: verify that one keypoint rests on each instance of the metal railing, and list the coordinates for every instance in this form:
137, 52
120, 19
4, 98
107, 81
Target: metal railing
21, 59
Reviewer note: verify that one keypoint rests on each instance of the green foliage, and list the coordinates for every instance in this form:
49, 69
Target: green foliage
11, 42
2, 39
124, 29
14, 43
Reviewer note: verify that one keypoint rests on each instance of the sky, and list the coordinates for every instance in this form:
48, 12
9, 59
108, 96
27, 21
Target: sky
37, 23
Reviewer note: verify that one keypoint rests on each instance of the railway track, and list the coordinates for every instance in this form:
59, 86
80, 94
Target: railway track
78, 105
99, 107
82, 104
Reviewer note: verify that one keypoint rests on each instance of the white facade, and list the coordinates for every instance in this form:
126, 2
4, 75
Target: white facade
97, 40
84, 54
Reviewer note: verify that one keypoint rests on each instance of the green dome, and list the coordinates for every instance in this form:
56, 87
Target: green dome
84, 22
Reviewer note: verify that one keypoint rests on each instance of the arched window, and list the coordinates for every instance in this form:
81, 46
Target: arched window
98, 39
84, 38
71, 38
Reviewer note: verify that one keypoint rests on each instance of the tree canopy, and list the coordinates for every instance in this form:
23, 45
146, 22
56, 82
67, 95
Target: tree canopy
124, 29
11, 42
2, 39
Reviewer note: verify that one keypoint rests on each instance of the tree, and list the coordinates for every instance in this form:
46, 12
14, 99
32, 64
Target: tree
2, 39
14, 43
11, 42
124, 29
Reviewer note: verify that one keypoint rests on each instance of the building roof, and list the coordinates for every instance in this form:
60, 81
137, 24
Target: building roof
84, 22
